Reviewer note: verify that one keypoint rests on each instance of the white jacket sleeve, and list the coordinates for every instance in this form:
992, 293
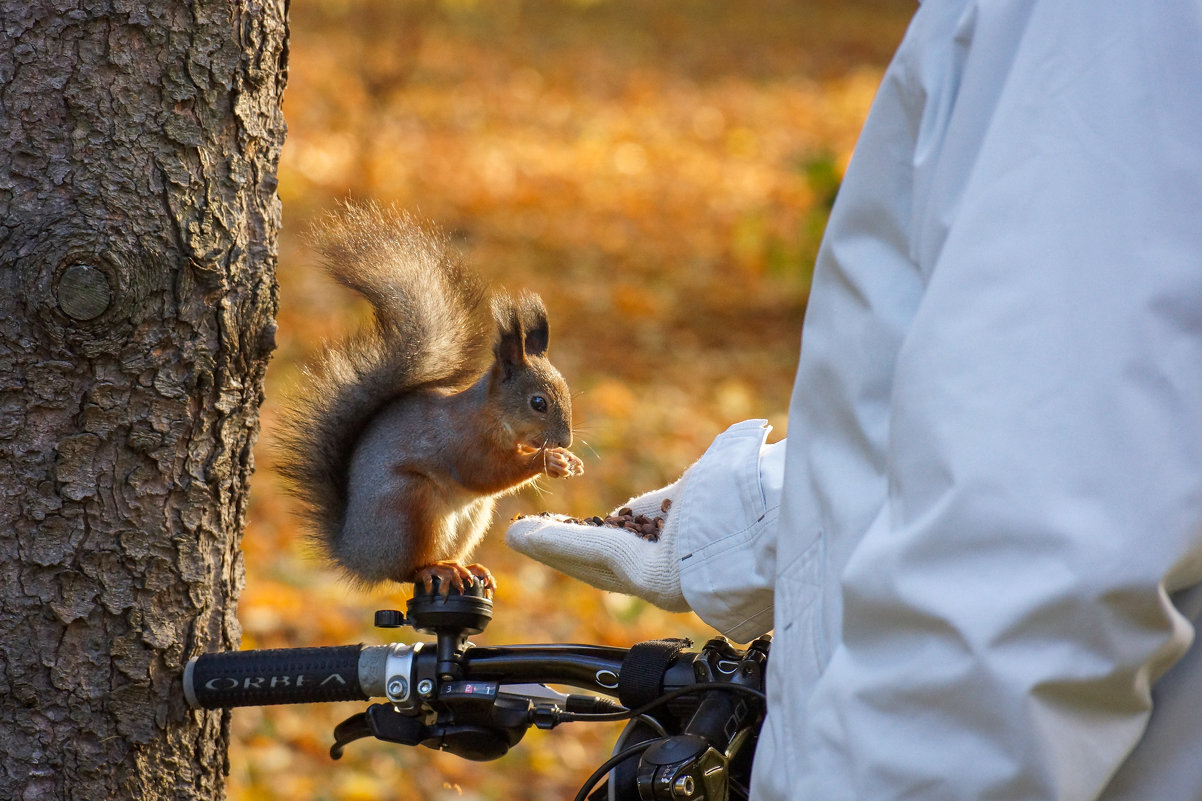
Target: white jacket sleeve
999, 625
727, 535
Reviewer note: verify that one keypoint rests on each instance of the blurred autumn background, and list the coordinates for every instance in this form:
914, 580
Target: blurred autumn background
661, 173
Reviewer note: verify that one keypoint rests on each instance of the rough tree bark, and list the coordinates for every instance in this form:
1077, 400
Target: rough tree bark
138, 222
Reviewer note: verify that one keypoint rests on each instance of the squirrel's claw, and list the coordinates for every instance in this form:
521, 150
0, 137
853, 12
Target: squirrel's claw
486, 578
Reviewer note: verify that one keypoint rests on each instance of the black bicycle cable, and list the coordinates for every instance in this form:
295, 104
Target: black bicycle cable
671, 695
652, 723
609, 764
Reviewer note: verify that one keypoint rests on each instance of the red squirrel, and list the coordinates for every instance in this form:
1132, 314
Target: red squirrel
403, 436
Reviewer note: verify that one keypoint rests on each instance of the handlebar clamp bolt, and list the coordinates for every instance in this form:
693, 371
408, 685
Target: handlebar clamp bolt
398, 689
683, 787
425, 687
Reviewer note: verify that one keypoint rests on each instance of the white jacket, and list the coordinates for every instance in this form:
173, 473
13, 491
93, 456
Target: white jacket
981, 546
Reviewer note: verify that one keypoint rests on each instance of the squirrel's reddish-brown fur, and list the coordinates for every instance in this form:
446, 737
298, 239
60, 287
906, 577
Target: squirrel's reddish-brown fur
401, 437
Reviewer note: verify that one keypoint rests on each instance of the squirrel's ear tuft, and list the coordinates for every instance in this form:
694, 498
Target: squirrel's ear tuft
534, 324
508, 348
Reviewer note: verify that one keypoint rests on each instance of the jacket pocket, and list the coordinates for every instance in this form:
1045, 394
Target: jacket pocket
798, 622
797, 660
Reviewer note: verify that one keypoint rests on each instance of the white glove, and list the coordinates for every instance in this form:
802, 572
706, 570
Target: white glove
611, 558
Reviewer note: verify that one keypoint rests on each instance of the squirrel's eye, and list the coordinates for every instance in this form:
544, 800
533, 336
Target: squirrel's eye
539, 404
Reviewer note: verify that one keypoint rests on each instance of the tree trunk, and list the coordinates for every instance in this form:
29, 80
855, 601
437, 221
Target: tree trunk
138, 222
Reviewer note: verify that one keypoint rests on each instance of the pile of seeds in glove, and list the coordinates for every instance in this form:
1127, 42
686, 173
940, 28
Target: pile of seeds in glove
648, 528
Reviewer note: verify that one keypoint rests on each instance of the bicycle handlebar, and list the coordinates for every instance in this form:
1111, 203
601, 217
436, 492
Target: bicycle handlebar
364, 672
698, 711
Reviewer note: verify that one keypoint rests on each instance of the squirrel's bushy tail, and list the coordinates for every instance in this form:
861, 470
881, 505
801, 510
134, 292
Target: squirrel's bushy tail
432, 328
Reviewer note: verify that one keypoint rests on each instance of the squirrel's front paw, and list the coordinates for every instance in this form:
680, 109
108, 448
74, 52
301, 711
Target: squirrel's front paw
561, 463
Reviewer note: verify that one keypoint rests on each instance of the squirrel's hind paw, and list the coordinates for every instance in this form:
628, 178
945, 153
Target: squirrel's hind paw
452, 574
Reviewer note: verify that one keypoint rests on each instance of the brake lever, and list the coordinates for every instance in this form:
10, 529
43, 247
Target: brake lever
382, 722
473, 722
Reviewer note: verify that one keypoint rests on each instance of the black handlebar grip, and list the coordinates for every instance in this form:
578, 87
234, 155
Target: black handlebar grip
281, 676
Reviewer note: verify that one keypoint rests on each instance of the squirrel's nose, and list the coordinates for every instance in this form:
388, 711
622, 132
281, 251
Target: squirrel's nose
563, 438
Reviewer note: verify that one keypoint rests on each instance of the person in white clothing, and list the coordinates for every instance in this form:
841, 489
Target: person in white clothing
980, 546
